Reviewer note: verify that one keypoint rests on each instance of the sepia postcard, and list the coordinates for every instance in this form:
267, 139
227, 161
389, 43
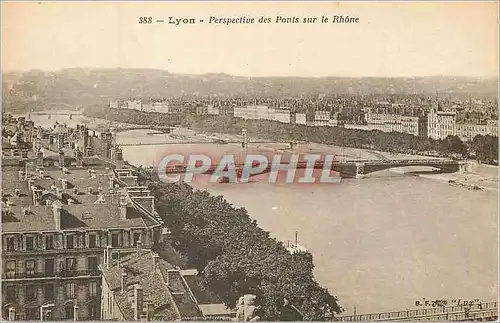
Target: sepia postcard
249, 161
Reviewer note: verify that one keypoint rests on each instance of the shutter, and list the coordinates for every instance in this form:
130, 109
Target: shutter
86, 237
36, 243
98, 239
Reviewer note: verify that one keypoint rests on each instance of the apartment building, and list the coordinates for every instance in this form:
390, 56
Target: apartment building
467, 131
300, 118
134, 104
441, 124
56, 222
282, 114
161, 107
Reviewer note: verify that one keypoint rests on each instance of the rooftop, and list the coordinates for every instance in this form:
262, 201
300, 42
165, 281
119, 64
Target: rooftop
75, 216
162, 285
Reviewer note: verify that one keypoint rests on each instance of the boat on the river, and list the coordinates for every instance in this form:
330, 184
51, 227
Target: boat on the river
293, 246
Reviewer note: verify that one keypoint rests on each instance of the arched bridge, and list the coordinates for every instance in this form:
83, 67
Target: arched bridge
367, 167
349, 168
50, 114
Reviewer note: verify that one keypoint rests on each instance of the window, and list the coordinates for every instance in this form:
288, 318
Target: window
70, 242
114, 240
30, 293
29, 243
30, 267
49, 242
10, 269
70, 264
92, 241
32, 313
92, 264
137, 237
48, 292
10, 293
69, 312
70, 290
92, 289
11, 244
93, 312
49, 267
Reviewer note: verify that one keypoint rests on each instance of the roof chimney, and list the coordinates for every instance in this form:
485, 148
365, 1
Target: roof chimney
56, 207
138, 302
123, 208
155, 261
61, 158
39, 158
139, 246
75, 190
124, 280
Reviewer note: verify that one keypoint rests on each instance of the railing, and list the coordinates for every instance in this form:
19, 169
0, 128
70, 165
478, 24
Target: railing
450, 313
178, 168
67, 273
208, 318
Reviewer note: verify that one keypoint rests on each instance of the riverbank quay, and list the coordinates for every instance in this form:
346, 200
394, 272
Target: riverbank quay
395, 142
345, 143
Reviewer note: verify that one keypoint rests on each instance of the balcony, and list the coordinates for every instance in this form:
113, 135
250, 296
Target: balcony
61, 274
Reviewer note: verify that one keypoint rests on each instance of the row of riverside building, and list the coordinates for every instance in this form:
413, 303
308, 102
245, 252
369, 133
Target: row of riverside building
81, 239
383, 116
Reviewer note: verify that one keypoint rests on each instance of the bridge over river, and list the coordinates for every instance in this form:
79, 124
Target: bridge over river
348, 168
50, 114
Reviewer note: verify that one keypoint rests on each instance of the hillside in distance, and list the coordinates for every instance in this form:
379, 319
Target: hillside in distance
80, 86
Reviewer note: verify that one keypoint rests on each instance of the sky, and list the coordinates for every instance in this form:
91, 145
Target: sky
391, 39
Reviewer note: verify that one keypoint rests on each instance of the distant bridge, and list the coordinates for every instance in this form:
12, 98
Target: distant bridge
218, 141
476, 312
348, 168
50, 114
116, 129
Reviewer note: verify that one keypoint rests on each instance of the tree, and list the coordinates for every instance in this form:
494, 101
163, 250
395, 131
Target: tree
486, 148
453, 144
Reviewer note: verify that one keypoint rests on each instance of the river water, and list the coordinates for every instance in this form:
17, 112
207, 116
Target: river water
379, 243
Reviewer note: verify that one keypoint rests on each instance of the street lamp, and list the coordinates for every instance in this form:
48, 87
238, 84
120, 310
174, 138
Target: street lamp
45, 306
